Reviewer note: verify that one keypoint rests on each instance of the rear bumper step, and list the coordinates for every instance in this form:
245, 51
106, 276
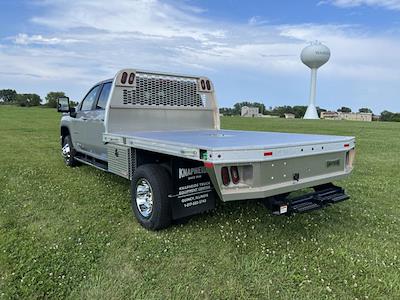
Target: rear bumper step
308, 202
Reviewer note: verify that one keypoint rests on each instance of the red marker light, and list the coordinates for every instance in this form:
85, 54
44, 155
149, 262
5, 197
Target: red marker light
124, 77
267, 153
346, 145
203, 85
208, 85
208, 165
131, 78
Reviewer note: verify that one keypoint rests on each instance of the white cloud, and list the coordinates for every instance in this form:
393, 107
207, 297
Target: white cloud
388, 4
257, 20
147, 17
88, 40
24, 39
151, 34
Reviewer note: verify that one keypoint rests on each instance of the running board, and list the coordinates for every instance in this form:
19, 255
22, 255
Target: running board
308, 202
92, 162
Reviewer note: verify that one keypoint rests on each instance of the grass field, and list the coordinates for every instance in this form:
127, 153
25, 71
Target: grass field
70, 233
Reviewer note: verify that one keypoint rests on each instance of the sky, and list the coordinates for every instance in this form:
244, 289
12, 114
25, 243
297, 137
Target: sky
249, 49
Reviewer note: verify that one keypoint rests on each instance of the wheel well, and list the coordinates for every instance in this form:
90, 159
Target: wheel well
147, 157
64, 133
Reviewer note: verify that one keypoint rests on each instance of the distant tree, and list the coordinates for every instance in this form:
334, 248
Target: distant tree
52, 98
28, 100
73, 104
386, 115
8, 96
226, 111
299, 111
365, 110
344, 109
390, 116
282, 110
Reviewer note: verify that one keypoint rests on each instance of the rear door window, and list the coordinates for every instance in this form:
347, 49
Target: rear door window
105, 92
90, 98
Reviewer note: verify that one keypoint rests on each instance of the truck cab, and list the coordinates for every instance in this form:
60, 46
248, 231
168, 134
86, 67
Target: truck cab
86, 126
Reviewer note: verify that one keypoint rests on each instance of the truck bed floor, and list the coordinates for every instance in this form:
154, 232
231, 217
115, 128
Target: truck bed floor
231, 139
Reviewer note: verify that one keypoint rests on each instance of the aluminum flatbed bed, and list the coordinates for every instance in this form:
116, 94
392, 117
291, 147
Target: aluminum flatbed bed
227, 146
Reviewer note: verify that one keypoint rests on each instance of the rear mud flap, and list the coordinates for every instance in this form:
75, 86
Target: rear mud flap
193, 192
308, 202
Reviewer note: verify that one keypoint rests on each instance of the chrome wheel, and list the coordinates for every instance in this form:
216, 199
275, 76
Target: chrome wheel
144, 197
66, 152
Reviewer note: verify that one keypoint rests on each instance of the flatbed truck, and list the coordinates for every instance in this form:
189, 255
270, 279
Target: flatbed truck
162, 132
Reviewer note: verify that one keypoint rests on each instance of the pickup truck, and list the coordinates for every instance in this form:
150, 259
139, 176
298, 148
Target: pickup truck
162, 132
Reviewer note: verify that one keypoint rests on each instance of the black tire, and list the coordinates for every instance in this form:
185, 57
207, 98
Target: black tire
159, 181
69, 159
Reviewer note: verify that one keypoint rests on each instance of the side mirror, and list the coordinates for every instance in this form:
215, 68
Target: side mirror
63, 105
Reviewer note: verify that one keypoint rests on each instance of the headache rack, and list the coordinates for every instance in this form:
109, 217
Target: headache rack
152, 101
165, 90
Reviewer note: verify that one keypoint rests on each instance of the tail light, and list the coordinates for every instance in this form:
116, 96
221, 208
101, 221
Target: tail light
124, 77
235, 175
225, 176
131, 78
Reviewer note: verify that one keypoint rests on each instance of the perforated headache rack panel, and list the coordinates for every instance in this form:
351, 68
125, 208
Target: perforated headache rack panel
164, 90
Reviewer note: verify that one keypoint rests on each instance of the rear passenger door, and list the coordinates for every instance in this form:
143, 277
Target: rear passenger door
95, 123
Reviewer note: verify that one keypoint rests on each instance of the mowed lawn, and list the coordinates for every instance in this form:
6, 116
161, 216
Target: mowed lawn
70, 233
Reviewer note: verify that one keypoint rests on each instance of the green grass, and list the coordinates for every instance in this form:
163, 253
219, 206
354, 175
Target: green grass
70, 233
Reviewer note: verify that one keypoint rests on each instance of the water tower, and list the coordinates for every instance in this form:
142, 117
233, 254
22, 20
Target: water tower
314, 56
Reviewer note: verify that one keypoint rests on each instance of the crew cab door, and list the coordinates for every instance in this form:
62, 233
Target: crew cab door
80, 122
95, 124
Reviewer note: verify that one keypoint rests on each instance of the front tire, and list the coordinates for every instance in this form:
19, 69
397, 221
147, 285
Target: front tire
68, 152
150, 187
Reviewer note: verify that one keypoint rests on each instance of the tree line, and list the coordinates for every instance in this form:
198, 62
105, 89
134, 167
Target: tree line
280, 111
9, 96
390, 116
298, 110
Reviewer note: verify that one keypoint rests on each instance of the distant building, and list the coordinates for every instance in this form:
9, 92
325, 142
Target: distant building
251, 112
289, 116
376, 117
269, 116
333, 115
366, 117
330, 115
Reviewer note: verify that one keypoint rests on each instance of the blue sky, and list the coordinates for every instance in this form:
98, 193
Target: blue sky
249, 49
